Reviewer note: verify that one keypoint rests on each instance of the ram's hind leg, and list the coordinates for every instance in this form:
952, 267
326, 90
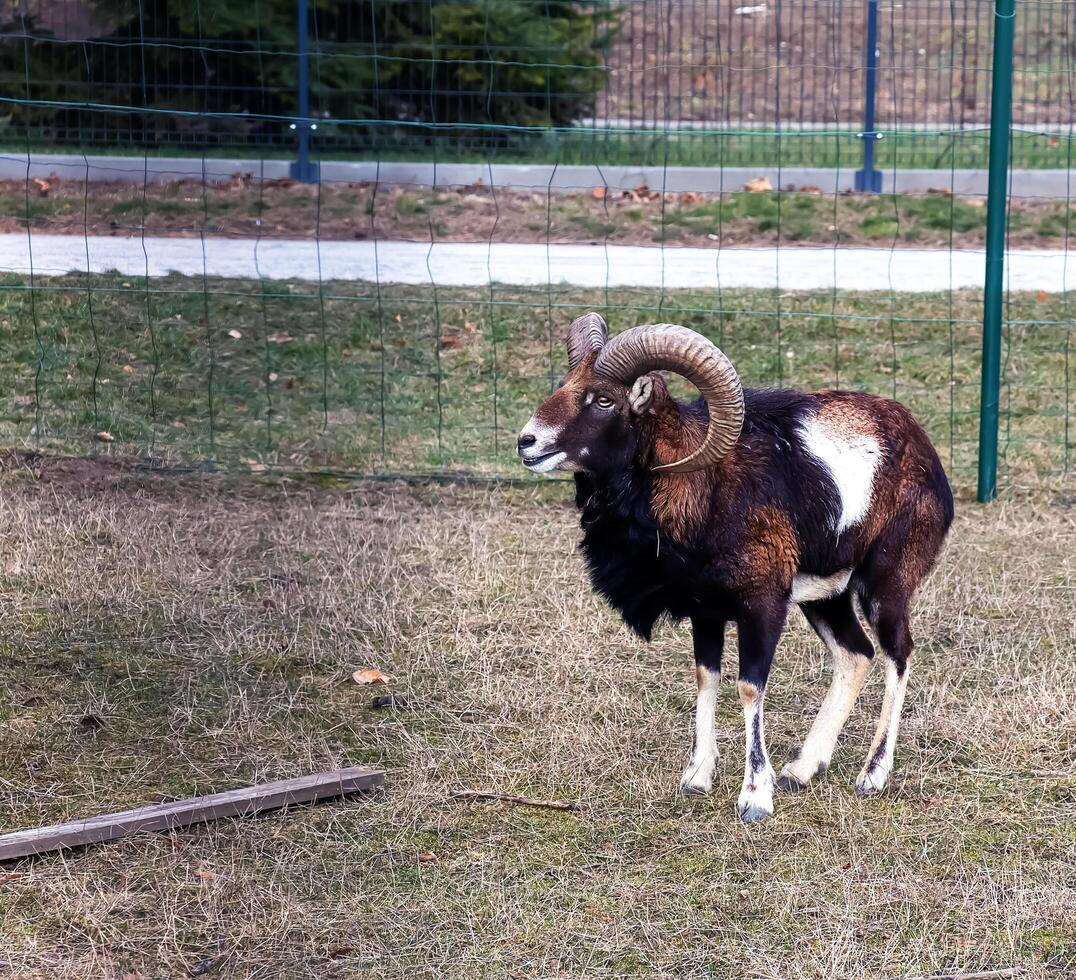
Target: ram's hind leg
834, 620
897, 564
890, 621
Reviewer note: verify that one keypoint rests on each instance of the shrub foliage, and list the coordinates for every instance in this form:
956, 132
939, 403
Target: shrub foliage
212, 71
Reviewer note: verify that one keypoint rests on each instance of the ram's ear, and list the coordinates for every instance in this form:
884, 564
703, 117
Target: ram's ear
641, 395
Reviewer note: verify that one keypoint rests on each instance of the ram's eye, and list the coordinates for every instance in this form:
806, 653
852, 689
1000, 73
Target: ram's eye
602, 402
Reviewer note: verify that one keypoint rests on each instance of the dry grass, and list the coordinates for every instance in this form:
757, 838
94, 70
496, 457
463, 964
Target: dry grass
210, 628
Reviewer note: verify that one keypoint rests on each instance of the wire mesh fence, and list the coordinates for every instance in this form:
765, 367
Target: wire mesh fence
533, 79
243, 317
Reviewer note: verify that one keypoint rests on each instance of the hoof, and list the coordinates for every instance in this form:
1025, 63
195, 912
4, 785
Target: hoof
752, 813
694, 783
698, 778
872, 783
789, 784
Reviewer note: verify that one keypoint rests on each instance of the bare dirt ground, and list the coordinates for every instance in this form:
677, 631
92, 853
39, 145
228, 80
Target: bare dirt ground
164, 636
245, 208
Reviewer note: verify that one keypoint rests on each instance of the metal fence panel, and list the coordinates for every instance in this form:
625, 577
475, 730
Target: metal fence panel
319, 364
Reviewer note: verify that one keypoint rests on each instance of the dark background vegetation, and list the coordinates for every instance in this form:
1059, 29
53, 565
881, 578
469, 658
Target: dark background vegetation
187, 62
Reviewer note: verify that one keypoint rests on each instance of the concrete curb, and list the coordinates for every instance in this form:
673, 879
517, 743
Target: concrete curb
478, 264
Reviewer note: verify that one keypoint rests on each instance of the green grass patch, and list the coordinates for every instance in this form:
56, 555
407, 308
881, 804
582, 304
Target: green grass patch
136, 206
26, 207
404, 380
409, 204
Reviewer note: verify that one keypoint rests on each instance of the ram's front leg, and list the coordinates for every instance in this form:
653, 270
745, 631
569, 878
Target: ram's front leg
708, 637
760, 627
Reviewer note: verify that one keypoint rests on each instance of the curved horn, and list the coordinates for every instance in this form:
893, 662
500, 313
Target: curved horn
587, 333
667, 347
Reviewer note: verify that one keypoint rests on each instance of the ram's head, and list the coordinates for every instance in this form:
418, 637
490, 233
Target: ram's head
591, 422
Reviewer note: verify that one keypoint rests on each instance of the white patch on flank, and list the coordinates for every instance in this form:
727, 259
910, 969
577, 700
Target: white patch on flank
698, 777
851, 461
810, 588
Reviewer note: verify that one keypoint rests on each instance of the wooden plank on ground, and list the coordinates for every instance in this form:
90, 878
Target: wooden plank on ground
196, 809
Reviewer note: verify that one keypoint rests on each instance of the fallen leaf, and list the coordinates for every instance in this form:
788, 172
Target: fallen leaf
599, 193
940, 191
104, 436
43, 187
127, 369
426, 856
758, 185
1042, 296
470, 327
234, 334
280, 338
253, 465
370, 676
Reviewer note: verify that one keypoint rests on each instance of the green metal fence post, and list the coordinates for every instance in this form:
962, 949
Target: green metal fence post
997, 184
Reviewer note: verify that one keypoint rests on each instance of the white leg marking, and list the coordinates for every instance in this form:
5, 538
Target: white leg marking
851, 460
811, 588
756, 795
876, 770
698, 777
849, 673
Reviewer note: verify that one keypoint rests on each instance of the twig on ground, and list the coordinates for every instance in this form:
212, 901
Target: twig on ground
1009, 971
477, 794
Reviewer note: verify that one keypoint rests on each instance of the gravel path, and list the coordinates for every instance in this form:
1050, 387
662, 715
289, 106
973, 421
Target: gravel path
465, 264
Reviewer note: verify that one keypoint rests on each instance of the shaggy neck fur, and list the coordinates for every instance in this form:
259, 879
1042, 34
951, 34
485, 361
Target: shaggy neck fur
638, 525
